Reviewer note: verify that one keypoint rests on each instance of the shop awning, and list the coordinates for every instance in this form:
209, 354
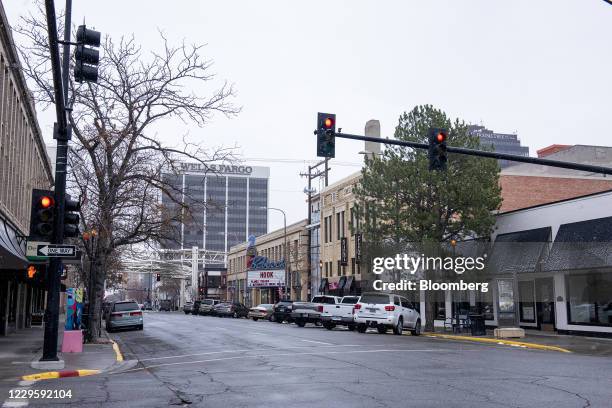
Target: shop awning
342, 282
518, 252
349, 283
12, 249
323, 285
581, 245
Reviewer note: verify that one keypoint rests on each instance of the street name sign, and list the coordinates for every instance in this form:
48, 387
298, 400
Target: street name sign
56, 251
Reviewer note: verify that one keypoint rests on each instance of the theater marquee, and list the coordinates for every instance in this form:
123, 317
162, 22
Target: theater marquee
272, 278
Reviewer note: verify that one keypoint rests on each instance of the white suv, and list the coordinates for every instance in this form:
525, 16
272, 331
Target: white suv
386, 311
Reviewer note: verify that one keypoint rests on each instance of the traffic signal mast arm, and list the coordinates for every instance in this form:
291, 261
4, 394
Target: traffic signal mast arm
481, 153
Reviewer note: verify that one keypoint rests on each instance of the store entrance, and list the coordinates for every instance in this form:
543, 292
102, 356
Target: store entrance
545, 303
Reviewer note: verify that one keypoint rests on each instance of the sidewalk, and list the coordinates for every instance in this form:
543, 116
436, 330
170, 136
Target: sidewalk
18, 350
593, 346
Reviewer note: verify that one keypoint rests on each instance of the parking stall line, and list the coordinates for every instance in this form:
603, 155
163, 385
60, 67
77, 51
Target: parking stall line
318, 342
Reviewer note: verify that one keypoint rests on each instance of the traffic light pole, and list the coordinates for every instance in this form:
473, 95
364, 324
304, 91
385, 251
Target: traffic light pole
61, 133
480, 153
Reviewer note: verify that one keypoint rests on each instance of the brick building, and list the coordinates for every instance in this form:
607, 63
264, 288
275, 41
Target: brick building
24, 165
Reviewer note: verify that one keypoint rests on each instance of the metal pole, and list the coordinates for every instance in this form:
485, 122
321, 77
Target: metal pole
62, 136
480, 153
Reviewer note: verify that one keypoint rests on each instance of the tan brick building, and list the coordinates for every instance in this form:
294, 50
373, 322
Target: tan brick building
271, 246
24, 165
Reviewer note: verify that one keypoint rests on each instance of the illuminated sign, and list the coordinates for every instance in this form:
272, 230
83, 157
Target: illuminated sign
271, 278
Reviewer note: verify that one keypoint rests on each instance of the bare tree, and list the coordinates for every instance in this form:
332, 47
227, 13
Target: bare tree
117, 162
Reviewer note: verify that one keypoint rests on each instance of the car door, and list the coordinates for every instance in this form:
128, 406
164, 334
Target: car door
407, 312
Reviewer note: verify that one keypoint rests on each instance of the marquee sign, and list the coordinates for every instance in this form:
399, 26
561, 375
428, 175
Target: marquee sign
269, 278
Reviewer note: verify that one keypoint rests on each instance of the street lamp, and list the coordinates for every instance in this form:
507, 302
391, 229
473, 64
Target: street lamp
285, 250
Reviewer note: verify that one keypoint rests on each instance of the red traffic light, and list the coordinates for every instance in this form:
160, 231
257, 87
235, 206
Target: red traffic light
441, 137
328, 123
46, 201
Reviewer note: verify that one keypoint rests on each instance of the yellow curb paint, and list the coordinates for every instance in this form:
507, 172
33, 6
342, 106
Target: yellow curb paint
499, 341
118, 354
83, 373
41, 376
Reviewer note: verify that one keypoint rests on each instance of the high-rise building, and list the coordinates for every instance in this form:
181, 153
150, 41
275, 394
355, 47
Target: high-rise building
226, 204
501, 142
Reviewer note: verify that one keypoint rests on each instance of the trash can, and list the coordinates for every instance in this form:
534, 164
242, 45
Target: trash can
477, 325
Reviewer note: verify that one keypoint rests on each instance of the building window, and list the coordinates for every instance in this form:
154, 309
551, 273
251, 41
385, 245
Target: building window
338, 228
352, 266
589, 299
342, 235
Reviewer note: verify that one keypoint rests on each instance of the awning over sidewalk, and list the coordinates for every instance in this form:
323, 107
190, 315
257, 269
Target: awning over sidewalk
12, 248
519, 251
581, 245
342, 282
323, 285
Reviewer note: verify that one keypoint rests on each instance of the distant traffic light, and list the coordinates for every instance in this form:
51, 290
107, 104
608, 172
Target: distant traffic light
158, 278
86, 58
42, 215
71, 217
326, 132
437, 149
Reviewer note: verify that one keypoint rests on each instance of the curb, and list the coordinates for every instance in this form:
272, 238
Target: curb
59, 374
499, 341
48, 375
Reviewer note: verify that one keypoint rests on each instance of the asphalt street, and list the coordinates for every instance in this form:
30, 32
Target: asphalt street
184, 360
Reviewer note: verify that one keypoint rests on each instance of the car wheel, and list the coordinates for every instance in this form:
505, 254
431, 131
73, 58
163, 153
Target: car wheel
361, 328
399, 328
279, 320
417, 328
141, 327
235, 315
382, 329
300, 323
351, 327
329, 326
186, 313
271, 318
254, 319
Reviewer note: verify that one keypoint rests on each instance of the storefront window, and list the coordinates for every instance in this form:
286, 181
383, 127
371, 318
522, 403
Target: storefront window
484, 304
590, 298
527, 307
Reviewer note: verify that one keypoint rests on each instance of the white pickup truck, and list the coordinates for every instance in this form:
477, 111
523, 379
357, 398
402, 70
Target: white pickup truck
310, 312
340, 314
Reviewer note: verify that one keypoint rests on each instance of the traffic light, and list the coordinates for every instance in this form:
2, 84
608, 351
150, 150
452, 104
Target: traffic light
31, 271
437, 149
86, 58
158, 278
42, 215
326, 132
71, 217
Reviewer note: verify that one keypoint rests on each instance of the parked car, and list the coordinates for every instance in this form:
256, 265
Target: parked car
196, 307
263, 311
165, 305
340, 314
188, 307
207, 305
386, 311
282, 311
124, 315
310, 312
235, 310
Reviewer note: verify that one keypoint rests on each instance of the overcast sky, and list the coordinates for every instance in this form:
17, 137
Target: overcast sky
542, 69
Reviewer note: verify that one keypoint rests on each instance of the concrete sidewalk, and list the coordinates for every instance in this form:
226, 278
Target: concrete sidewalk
18, 350
594, 346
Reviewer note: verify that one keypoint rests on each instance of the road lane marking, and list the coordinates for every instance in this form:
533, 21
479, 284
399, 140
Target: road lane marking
318, 342
284, 355
260, 349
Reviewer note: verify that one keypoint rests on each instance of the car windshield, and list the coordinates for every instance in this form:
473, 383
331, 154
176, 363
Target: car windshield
323, 299
208, 302
126, 306
375, 298
350, 300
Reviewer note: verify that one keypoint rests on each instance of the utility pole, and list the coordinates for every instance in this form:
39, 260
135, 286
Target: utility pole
62, 135
310, 176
